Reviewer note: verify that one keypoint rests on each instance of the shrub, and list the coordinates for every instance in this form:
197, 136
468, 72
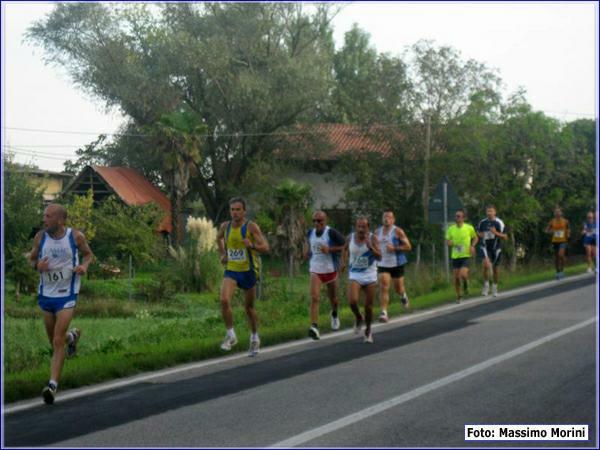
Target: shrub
123, 230
197, 267
23, 205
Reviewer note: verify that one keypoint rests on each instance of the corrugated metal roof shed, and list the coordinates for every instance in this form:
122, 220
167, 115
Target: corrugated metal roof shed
128, 184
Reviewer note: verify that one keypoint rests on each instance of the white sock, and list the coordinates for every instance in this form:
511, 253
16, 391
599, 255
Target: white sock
486, 283
254, 337
70, 337
230, 332
54, 383
495, 286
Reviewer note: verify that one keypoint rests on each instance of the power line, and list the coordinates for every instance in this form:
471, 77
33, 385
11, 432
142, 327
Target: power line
24, 152
37, 152
312, 130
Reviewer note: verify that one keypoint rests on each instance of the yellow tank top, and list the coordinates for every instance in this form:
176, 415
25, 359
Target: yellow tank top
239, 258
560, 230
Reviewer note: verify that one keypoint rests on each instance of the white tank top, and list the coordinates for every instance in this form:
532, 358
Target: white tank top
361, 258
59, 281
389, 259
321, 262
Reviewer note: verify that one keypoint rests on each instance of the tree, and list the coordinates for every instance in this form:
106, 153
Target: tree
23, 206
246, 69
292, 200
80, 214
443, 86
179, 133
369, 88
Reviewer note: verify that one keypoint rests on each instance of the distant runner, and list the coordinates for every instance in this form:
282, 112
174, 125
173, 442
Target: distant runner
239, 241
56, 256
360, 253
491, 234
393, 244
590, 240
560, 230
322, 248
462, 239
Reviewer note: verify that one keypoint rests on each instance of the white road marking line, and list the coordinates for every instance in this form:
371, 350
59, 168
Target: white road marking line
309, 435
416, 316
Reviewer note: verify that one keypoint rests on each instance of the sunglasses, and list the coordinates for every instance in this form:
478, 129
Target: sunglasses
317, 220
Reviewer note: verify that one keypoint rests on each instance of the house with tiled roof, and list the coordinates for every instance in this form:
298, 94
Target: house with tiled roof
317, 149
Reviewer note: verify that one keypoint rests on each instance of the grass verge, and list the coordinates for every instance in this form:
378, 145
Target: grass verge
188, 328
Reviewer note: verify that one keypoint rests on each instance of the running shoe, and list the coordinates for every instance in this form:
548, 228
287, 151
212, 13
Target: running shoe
72, 345
404, 300
313, 332
335, 323
590, 270
228, 342
383, 317
495, 290
368, 339
486, 289
254, 347
358, 325
48, 393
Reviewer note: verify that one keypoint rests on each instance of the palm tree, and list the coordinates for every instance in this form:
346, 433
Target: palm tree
293, 198
179, 137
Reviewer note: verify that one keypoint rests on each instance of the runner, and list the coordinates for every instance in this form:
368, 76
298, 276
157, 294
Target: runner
322, 247
239, 241
560, 230
462, 239
491, 233
393, 245
590, 240
56, 256
360, 253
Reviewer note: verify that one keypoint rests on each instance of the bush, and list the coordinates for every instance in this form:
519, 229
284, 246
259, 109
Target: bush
23, 205
197, 267
123, 230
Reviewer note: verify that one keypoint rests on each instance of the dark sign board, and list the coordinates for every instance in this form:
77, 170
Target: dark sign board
436, 202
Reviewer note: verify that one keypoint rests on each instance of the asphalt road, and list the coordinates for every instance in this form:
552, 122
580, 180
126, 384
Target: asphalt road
520, 359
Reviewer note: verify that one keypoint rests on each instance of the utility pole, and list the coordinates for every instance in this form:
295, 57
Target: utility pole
426, 175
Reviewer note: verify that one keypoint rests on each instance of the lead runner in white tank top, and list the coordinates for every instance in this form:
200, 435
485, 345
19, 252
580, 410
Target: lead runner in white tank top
59, 282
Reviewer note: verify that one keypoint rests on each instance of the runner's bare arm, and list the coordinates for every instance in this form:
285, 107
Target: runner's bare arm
375, 247
86, 253
405, 245
305, 249
221, 241
33, 256
345, 255
260, 242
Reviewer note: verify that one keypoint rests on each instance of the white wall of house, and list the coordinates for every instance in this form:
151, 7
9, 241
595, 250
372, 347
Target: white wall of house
327, 189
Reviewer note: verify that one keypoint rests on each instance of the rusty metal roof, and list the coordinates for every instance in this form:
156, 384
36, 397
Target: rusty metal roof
135, 189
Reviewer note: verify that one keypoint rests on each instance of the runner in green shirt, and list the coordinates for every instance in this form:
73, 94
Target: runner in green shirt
462, 239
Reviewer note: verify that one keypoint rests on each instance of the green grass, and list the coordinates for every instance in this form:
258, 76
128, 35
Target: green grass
123, 337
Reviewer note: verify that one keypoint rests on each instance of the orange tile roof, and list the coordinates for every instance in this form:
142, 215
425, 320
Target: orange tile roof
135, 189
332, 140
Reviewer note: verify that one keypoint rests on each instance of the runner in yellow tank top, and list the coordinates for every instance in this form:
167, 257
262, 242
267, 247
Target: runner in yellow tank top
240, 258
560, 230
239, 240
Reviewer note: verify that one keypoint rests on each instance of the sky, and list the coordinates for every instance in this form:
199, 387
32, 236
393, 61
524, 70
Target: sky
547, 48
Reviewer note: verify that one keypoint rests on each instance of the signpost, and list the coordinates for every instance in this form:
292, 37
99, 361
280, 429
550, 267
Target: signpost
444, 199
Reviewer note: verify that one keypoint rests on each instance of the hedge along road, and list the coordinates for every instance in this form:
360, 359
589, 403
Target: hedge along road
526, 357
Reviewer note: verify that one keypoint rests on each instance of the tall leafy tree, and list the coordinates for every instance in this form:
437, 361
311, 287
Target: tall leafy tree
246, 70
